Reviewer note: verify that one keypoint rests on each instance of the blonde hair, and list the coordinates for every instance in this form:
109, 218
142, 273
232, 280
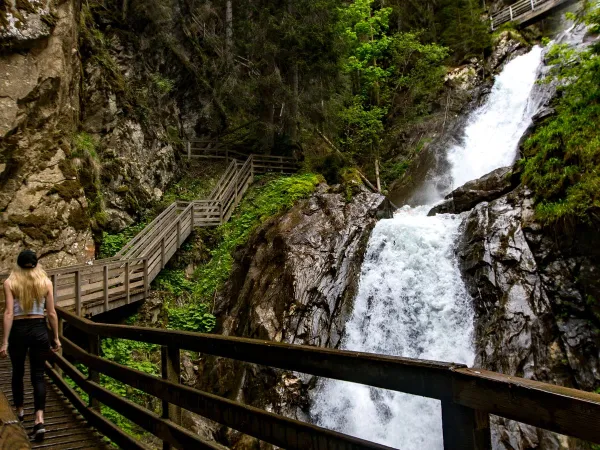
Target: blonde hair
28, 286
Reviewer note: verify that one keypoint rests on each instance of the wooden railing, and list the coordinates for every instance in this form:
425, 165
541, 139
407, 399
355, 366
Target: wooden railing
102, 285
467, 396
521, 8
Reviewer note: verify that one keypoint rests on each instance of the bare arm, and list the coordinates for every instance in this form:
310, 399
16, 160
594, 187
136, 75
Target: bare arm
52, 317
8, 318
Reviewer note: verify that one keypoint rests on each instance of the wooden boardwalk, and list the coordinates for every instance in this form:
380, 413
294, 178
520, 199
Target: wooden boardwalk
111, 283
526, 12
65, 428
106, 284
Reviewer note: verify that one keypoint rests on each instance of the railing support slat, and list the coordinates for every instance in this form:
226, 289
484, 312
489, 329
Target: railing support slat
105, 291
78, 292
94, 375
146, 278
127, 293
464, 428
171, 371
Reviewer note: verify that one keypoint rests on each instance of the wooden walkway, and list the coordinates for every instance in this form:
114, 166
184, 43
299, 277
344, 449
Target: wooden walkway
110, 283
65, 428
106, 284
526, 12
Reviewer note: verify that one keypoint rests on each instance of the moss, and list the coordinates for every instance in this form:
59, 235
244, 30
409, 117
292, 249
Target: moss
78, 219
68, 189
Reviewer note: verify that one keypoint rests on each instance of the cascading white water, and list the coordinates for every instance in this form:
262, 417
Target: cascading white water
494, 130
411, 300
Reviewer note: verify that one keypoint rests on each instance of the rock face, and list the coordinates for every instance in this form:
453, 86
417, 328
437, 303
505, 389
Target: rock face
294, 282
42, 203
488, 187
535, 295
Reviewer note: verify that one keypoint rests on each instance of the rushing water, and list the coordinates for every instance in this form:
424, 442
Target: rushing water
411, 300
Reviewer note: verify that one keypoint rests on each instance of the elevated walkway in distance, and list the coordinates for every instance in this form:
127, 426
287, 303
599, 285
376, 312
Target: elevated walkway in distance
527, 12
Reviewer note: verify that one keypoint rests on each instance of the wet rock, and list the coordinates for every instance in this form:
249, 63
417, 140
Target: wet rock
506, 46
43, 204
530, 291
294, 282
484, 189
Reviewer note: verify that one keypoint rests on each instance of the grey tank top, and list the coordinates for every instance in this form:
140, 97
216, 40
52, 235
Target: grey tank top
36, 310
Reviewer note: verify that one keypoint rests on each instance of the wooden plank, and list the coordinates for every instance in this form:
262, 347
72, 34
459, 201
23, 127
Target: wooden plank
105, 288
464, 428
277, 430
77, 294
12, 435
126, 283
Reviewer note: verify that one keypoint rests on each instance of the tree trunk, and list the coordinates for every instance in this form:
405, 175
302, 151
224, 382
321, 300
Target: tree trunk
229, 29
295, 81
125, 9
377, 174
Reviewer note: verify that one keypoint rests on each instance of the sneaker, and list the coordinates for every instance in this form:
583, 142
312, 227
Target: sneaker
21, 416
38, 432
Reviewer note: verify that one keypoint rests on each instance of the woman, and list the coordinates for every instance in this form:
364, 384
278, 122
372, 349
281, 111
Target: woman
26, 290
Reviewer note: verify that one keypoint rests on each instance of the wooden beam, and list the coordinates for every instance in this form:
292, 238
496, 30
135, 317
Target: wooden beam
464, 428
12, 434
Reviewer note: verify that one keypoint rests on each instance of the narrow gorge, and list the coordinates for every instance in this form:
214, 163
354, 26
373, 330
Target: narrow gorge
443, 204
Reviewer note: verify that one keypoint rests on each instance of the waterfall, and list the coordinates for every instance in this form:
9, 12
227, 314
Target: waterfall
494, 130
411, 300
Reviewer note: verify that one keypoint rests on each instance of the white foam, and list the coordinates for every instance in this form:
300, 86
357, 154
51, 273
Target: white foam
494, 130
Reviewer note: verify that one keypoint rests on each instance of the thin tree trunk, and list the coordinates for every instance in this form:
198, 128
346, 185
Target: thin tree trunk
229, 29
377, 174
125, 9
295, 81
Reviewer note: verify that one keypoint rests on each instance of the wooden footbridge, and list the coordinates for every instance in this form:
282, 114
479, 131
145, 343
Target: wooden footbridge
526, 12
467, 397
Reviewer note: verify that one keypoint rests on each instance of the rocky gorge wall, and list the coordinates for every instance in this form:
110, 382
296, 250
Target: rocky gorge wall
90, 124
534, 290
294, 282
43, 205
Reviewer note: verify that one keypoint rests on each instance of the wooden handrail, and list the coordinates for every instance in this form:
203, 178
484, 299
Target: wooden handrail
517, 10
563, 410
269, 427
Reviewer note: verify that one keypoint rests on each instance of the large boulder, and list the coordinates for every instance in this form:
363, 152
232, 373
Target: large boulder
484, 189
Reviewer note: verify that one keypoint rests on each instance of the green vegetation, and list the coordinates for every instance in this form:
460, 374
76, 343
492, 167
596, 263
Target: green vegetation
196, 318
113, 242
562, 157
267, 199
390, 72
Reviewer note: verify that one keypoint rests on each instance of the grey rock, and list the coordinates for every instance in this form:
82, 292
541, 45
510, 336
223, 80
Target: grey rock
485, 189
532, 317
294, 282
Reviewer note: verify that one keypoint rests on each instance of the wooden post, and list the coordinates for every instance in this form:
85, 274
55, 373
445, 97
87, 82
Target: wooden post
127, 293
105, 270
464, 428
532, 5
78, 292
54, 278
171, 370
511, 12
192, 222
94, 349
162, 253
179, 232
221, 213
251, 169
61, 325
189, 150
146, 278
